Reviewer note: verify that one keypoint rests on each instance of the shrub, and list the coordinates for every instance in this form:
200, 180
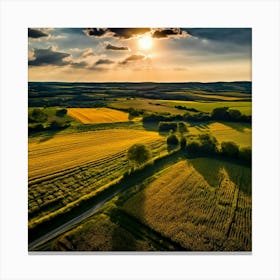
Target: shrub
37, 115
245, 154
234, 115
61, 112
172, 140
220, 113
182, 128
167, 126
183, 143
230, 149
57, 124
197, 117
35, 128
208, 143
134, 113
138, 154
193, 147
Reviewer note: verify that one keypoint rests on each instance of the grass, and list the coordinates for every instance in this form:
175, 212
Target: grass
200, 95
51, 112
199, 213
99, 234
240, 133
168, 106
149, 105
97, 115
245, 107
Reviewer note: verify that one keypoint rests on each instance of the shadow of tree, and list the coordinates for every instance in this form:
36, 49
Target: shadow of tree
150, 126
48, 135
210, 169
240, 127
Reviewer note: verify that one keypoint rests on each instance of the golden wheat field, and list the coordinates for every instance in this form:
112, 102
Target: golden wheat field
69, 150
69, 166
201, 209
97, 115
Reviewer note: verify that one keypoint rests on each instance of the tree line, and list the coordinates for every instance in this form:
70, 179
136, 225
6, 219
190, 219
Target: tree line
217, 114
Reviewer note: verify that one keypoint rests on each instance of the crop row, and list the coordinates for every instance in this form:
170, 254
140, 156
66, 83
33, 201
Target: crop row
50, 155
55, 190
183, 206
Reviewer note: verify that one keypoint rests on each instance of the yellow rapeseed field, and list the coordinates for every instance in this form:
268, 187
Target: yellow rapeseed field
97, 115
200, 209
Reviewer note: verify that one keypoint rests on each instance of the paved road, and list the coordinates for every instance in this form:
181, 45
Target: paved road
68, 225
162, 163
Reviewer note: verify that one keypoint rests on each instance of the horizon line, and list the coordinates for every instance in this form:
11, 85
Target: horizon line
247, 81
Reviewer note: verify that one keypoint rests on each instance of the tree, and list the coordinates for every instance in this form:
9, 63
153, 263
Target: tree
208, 143
61, 112
37, 115
138, 154
246, 154
220, 113
167, 126
193, 147
172, 140
235, 115
183, 143
58, 124
182, 128
230, 149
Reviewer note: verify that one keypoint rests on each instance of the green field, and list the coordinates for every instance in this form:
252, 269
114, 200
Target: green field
244, 107
148, 105
239, 133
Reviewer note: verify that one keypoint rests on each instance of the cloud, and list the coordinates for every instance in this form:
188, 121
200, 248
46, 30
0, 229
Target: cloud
96, 32
126, 33
49, 57
35, 33
122, 33
134, 57
88, 52
232, 35
98, 69
168, 32
103, 62
81, 64
116, 48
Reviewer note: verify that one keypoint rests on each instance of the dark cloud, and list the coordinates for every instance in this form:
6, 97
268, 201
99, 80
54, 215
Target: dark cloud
133, 57
35, 33
232, 35
126, 33
122, 33
103, 61
96, 32
169, 32
116, 48
48, 57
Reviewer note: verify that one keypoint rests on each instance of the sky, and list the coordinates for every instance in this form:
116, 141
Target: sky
139, 54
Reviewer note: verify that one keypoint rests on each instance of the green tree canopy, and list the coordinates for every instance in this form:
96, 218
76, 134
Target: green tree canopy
138, 154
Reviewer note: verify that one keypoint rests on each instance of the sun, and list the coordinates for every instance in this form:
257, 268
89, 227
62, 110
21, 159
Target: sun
145, 42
